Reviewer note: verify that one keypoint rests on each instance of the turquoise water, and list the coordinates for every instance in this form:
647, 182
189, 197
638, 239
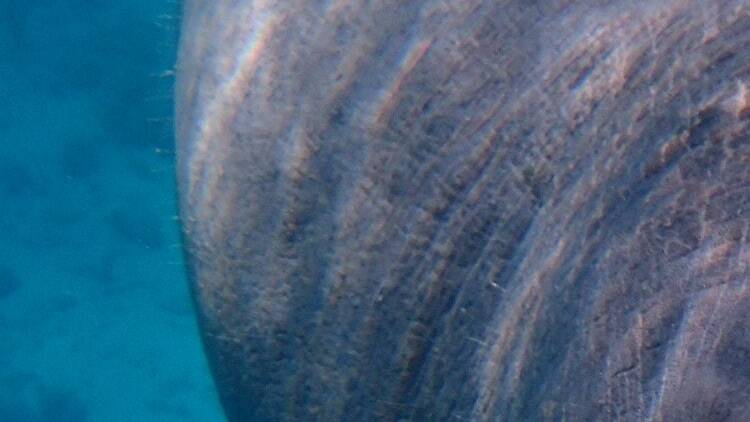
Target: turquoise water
95, 320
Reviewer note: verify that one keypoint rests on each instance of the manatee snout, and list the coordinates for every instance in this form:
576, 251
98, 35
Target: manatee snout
442, 210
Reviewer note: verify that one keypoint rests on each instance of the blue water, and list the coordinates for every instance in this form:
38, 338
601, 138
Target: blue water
95, 320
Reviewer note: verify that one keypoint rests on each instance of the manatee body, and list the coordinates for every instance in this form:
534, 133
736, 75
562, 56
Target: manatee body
443, 210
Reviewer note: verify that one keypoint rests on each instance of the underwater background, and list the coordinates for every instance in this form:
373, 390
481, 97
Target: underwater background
95, 318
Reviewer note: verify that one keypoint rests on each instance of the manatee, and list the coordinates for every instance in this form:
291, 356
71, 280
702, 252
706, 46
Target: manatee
474, 210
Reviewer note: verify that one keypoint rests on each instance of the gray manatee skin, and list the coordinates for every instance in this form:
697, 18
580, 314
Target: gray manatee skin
472, 210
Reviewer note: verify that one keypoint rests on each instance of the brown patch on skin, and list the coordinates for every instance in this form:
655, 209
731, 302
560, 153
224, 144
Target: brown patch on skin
716, 256
742, 101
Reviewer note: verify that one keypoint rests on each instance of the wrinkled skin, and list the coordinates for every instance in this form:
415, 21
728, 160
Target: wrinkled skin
441, 210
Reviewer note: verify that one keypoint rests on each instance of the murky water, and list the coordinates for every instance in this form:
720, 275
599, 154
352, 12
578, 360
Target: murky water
95, 319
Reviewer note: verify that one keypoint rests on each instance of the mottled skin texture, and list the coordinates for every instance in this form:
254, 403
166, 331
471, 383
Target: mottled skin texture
438, 210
